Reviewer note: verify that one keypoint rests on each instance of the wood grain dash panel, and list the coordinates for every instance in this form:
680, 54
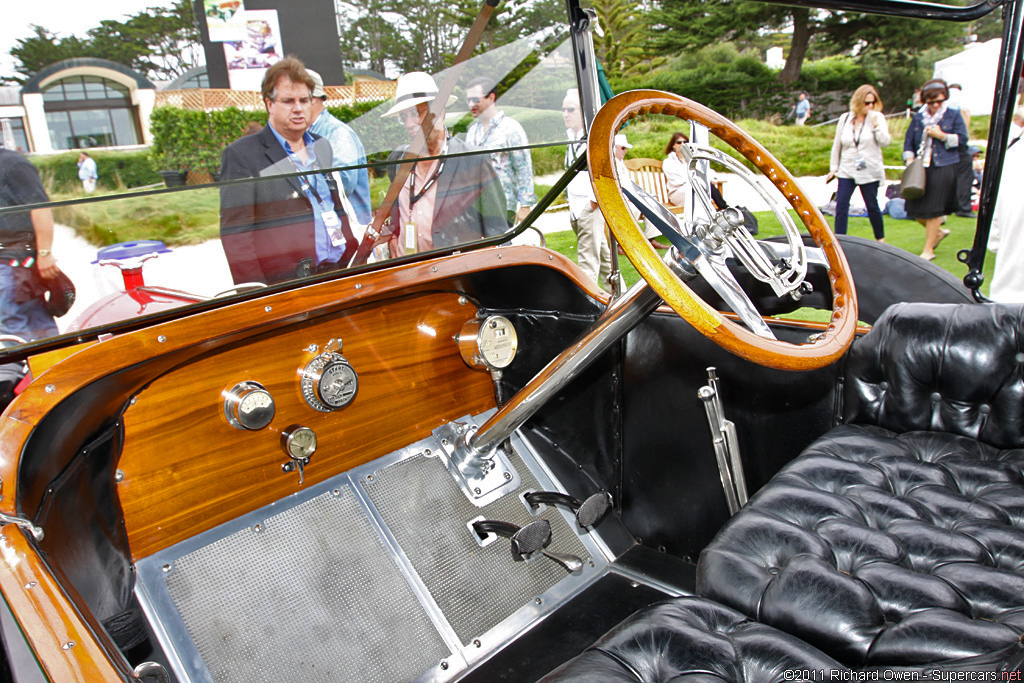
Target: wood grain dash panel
186, 470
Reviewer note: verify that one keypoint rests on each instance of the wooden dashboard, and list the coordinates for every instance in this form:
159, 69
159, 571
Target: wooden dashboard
184, 469
183, 463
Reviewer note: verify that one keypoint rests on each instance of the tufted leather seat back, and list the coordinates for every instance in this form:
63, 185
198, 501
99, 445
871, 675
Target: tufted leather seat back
954, 369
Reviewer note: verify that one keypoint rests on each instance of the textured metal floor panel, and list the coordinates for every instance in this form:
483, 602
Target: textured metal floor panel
475, 587
312, 596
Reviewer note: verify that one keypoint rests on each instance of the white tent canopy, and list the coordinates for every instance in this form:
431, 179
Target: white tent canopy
975, 70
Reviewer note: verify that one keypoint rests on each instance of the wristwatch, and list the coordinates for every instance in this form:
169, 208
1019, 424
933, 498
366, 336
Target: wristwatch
45, 252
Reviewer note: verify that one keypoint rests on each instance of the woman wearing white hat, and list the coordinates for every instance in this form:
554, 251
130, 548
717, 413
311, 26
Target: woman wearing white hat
444, 201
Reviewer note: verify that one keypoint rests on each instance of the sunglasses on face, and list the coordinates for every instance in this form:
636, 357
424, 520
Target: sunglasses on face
569, 109
680, 141
472, 100
869, 101
938, 100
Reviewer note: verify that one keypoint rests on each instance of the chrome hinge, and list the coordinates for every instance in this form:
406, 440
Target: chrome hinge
37, 532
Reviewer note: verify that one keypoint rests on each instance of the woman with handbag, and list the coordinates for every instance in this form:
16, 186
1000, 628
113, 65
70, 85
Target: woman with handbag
933, 138
856, 159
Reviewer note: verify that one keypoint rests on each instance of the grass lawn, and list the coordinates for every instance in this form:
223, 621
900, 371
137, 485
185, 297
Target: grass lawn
192, 216
176, 218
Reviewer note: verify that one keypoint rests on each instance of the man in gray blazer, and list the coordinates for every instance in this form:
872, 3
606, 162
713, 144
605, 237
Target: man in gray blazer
279, 228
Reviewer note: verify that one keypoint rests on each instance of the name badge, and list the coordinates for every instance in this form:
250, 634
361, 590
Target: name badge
410, 236
333, 225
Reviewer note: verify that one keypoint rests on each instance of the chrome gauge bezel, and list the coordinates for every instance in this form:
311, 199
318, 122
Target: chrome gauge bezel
253, 419
319, 370
474, 345
291, 442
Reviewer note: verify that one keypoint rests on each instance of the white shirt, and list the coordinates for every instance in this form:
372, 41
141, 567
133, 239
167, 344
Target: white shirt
1007, 236
677, 180
863, 142
579, 192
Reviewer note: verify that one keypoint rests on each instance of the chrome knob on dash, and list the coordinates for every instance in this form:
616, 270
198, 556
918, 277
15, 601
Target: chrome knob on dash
248, 405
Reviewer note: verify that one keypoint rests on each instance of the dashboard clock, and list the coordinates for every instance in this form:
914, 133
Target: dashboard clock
329, 382
299, 442
490, 343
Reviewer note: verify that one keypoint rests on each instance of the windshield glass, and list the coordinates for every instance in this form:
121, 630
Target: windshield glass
152, 195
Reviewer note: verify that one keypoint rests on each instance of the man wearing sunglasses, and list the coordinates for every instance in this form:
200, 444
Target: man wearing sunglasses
493, 130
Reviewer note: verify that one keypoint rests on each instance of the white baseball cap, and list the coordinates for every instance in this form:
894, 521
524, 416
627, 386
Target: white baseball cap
621, 141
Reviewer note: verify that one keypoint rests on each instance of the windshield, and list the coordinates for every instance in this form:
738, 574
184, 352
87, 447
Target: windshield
150, 196
180, 183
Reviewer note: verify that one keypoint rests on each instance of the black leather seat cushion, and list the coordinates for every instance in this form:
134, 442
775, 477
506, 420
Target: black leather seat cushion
882, 548
693, 639
895, 541
900, 539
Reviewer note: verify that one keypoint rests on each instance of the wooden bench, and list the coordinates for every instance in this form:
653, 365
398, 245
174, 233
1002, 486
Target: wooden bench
647, 174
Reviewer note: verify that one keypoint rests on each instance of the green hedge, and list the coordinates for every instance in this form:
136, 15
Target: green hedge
117, 169
185, 140
740, 85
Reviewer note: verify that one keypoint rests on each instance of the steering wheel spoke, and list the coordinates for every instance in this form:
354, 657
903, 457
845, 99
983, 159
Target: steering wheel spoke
703, 246
721, 279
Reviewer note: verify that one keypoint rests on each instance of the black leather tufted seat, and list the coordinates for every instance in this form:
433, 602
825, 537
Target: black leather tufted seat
898, 538
895, 540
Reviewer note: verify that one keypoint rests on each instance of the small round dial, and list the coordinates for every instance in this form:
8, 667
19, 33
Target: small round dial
329, 382
298, 442
491, 342
247, 405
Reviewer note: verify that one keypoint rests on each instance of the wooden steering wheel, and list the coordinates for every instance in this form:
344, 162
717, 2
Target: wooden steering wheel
703, 242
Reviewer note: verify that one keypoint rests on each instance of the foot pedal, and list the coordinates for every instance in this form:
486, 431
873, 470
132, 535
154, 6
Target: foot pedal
525, 540
588, 512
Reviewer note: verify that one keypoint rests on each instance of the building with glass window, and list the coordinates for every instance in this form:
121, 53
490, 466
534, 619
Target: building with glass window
80, 104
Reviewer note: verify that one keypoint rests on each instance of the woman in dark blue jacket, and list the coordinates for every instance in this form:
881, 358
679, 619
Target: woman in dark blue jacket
935, 134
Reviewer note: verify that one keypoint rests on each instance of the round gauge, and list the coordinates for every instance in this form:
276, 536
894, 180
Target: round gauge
298, 442
491, 342
329, 382
247, 405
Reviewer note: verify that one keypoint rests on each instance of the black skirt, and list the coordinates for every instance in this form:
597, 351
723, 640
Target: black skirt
939, 194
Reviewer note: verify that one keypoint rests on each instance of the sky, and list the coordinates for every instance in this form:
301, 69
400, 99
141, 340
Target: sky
63, 17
